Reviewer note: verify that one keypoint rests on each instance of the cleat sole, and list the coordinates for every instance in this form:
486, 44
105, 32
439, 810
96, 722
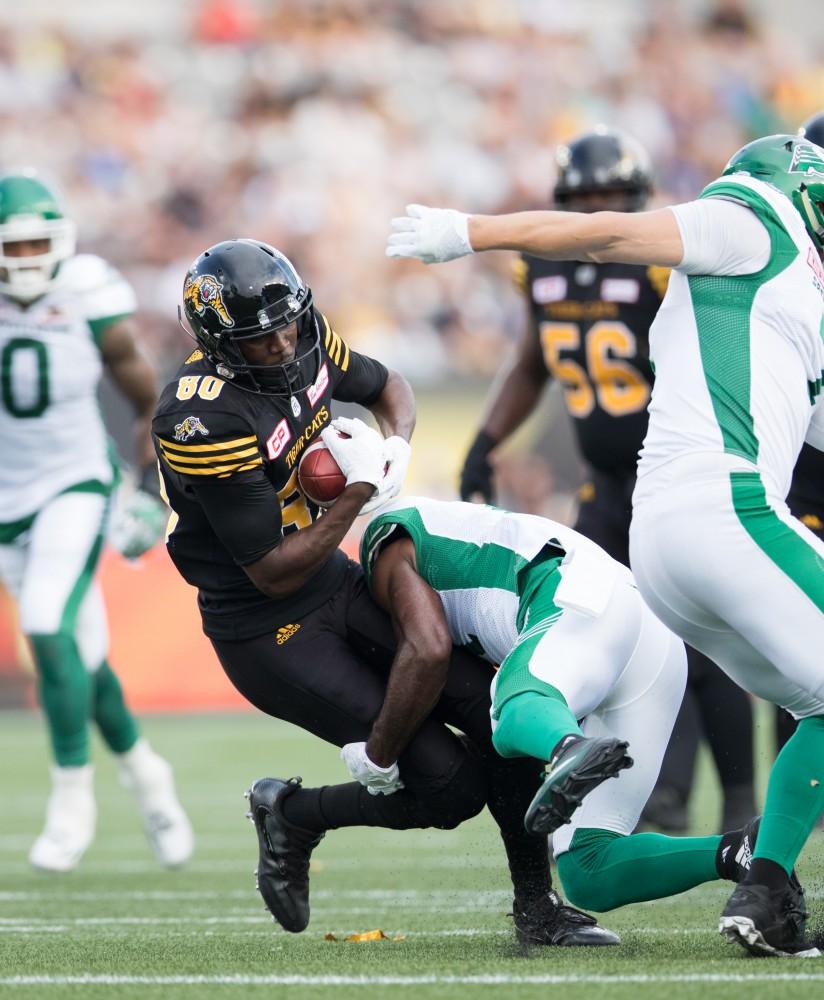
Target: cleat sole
557, 799
742, 930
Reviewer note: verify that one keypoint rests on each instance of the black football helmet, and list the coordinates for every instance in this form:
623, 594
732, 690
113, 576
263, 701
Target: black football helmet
813, 129
241, 289
603, 160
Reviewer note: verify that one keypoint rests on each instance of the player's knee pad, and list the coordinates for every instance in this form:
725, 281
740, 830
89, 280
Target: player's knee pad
579, 869
459, 799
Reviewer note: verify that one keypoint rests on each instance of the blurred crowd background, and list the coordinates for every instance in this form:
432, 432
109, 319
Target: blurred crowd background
172, 124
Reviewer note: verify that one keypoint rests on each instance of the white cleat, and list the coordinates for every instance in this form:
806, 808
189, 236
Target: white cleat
71, 816
167, 826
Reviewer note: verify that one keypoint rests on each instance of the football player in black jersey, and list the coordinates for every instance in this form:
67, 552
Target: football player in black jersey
289, 614
588, 328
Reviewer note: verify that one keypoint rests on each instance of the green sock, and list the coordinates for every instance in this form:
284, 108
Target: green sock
531, 724
117, 725
64, 694
602, 869
795, 795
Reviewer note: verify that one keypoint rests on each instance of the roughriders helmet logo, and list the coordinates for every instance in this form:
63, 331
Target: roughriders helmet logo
206, 292
807, 159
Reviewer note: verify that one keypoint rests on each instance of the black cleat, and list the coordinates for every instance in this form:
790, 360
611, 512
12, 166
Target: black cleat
574, 771
547, 920
766, 921
283, 867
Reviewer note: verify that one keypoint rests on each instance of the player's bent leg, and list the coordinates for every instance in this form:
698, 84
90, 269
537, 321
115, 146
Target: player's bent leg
540, 916
443, 784
603, 869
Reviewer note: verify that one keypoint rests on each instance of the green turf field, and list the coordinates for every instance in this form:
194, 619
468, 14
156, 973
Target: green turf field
120, 927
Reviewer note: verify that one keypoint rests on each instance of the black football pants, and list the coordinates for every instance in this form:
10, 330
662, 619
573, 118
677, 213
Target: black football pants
329, 677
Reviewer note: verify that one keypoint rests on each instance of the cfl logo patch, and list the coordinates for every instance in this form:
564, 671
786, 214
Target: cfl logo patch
284, 633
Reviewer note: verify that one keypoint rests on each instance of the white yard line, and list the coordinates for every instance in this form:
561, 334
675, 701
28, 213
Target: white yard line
400, 980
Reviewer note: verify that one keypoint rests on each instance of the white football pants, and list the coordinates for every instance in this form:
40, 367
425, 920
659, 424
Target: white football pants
49, 570
728, 568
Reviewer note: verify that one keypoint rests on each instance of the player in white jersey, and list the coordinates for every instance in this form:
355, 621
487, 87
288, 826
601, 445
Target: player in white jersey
738, 349
64, 318
574, 641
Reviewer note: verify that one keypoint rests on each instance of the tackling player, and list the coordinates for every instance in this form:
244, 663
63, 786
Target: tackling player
738, 356
288, 613
574, 642
588, 328
64, 318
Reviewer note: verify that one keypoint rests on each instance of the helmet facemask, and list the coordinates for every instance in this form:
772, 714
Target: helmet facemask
288, 378
26, 278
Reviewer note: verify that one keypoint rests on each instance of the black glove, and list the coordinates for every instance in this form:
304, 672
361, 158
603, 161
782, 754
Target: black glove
476, 475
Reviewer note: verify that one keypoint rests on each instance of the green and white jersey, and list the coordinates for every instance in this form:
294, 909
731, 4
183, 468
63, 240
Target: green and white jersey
51, 431
738, 356
472, 556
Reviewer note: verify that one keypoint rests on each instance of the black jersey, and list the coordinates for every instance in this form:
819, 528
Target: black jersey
228, 462
593, 323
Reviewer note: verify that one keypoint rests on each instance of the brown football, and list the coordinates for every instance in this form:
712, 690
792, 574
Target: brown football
319, 477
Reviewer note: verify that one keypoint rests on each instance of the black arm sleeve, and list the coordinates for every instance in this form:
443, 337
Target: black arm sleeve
362, 382
244, 513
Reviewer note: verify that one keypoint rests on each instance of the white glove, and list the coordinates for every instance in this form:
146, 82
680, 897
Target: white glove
433, 235
138, 522
360, 456
397, 452
377, 780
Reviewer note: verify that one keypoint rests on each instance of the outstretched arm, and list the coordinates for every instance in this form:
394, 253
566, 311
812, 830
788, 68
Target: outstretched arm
439, 234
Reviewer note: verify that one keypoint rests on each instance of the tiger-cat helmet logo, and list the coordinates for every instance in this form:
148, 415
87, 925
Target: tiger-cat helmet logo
206, 292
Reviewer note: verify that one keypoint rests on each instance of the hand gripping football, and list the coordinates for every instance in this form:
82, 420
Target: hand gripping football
319, 477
